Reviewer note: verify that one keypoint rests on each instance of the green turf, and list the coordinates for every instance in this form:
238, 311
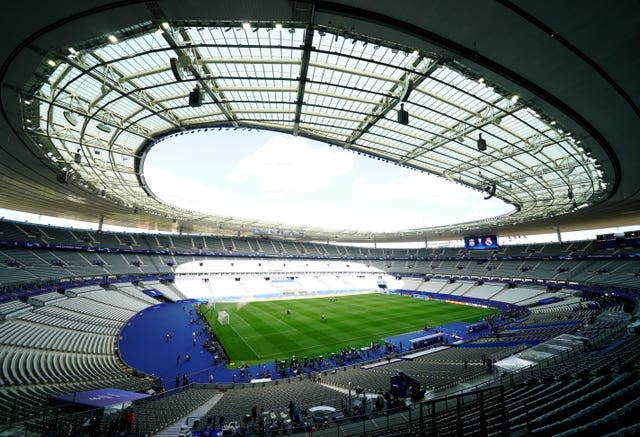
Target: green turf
262, 331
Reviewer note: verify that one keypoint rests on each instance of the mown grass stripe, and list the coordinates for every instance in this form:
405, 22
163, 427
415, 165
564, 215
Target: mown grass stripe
261, 331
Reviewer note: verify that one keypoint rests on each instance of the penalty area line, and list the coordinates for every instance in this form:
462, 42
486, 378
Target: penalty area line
259, 356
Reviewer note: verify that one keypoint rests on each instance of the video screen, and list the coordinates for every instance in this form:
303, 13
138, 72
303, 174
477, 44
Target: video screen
481, 242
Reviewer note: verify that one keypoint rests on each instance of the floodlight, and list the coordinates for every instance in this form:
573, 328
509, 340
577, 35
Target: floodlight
195, 97
490, 190
403, 116
481, 143
103, 127
63, 177
70, 117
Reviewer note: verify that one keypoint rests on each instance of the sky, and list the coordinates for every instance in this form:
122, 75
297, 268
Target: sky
282, 178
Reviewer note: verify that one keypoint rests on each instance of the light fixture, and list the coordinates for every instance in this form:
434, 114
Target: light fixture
403, 116
246, 25
63, 177
514, 99
195, 97
103, 127
165, 25
70, 117
490, 190
278, 26
538, 148
51, 62
77, 157
72, 50
481, 143
112, 39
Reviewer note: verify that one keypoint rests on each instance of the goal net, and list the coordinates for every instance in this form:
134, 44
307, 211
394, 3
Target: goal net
223, 318
211, 303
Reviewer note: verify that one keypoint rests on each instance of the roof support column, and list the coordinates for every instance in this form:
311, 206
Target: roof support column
304, 69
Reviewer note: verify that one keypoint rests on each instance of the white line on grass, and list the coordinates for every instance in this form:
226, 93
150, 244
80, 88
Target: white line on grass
242, 338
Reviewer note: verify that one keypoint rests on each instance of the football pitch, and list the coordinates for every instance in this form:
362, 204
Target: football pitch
266, 330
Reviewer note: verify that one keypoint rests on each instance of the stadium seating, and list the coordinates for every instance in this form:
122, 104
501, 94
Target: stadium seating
65, 344
57, 337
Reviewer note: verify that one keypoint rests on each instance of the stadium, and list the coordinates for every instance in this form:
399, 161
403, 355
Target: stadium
189, 321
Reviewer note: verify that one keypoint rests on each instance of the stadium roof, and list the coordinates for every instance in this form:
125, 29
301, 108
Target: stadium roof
88, 88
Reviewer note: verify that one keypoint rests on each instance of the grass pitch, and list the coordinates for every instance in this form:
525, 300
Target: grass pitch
262, 331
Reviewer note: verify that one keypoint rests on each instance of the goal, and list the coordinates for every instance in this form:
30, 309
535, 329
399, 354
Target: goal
211, 304
223, 318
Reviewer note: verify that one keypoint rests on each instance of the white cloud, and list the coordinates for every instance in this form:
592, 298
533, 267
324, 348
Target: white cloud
286, 166
422, 200
414, 186
183, 190
295, 181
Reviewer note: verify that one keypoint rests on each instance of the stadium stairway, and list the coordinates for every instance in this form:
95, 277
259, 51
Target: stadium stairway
173, 429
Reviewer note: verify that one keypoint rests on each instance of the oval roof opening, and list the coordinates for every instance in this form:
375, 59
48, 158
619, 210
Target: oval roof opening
276, 177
